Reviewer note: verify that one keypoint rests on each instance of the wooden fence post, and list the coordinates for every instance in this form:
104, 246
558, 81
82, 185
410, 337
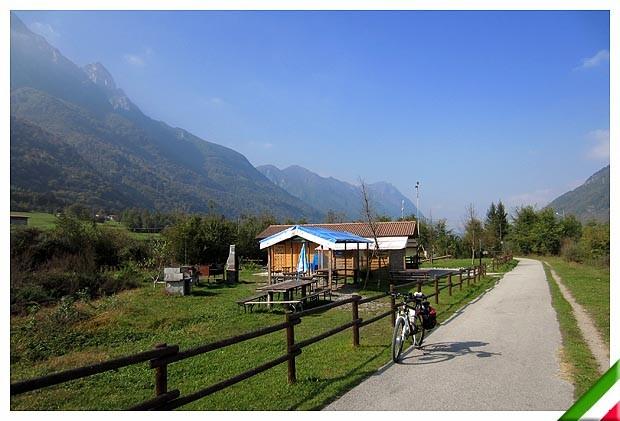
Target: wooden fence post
436, 289
161, 375
354, 315
393, 304
450, 284
468, 276
479, 273
460, 279
290, 345
420, 286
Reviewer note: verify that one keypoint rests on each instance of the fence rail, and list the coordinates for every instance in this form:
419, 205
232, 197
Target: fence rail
497, 261
163, 355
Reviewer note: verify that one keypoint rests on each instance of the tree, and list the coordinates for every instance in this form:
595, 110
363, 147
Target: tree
333, 217
371, 219
570, 227
522, 230
197, 239
595, 241
473, 231
495, 226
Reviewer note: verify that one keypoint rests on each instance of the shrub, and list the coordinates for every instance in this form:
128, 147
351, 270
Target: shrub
570, 251
75, 256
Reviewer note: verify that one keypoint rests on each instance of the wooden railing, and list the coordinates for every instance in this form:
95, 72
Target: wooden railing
500, 260
163, 355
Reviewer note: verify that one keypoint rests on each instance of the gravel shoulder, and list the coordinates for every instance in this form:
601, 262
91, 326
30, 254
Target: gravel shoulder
592, 337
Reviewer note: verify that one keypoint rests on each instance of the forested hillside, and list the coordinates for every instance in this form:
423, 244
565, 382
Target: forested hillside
95, 146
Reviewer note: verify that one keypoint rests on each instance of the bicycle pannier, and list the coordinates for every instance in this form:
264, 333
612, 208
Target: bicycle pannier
429, 318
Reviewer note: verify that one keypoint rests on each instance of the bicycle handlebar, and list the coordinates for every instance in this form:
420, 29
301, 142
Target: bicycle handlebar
409, 296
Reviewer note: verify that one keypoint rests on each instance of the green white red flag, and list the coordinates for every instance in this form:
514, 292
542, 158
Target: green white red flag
601, 402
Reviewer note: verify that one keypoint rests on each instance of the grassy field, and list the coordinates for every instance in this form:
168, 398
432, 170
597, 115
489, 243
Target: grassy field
135, 320
576, 356
38, 219
590, 287
46, 221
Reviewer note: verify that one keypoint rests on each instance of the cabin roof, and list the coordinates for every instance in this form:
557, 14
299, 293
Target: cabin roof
322, 236
384, 229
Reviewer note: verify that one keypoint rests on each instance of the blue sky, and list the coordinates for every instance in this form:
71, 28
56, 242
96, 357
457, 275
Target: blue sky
478, 106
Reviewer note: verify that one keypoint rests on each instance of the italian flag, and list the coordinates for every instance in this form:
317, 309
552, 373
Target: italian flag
601, 402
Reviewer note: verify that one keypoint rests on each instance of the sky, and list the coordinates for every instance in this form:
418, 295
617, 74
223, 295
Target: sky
476, 106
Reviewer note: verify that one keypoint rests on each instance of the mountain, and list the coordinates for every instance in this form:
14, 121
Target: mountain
76, 137
588, 201
328, 193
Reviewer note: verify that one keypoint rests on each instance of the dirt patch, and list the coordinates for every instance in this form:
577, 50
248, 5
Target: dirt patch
566, 369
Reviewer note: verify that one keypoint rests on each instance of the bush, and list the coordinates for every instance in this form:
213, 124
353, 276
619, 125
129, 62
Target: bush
570, 251
75, 256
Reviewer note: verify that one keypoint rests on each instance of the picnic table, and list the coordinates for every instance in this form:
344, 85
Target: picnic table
265, 294
287, 287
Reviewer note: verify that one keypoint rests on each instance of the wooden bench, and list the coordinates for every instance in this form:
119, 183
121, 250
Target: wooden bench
254, 299
314, 295
294, 304
403, 277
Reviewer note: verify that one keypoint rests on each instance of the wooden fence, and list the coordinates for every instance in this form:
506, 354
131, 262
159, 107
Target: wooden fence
163, 355
498, 261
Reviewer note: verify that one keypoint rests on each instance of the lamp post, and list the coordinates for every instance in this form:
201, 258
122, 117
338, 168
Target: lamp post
417, 221
417, 206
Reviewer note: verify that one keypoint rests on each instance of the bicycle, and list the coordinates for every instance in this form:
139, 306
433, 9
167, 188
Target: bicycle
404, 325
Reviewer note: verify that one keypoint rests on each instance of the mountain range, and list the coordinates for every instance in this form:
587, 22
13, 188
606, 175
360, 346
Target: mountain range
590, 201
76, 137
329, 194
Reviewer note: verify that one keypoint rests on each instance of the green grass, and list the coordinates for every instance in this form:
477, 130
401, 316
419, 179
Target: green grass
46, 221
39, 220
590, 287
136, 320
582, 366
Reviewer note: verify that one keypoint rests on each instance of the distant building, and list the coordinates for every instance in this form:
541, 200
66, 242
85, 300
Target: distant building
19, 220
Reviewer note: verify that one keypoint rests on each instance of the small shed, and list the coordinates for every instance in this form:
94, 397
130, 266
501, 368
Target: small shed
19, 219
323, 246
398, 240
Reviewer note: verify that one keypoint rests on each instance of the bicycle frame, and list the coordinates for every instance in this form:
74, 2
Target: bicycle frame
406, 313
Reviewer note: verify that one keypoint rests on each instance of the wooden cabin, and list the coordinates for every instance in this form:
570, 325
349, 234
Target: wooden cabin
396, 241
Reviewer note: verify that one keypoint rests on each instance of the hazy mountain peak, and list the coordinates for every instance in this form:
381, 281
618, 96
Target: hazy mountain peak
68, 145
588, 201
17, 25
99, 75
331, 194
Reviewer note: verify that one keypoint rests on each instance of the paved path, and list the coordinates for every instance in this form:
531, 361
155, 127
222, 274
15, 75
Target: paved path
500, 352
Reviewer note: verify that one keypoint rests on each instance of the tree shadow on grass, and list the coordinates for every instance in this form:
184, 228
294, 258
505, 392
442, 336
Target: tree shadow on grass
203, 293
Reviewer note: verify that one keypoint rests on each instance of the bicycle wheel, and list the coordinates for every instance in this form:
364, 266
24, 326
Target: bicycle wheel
418, 331
398, 339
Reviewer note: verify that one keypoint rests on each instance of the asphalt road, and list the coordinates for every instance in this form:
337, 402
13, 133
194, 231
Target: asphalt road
501, 352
